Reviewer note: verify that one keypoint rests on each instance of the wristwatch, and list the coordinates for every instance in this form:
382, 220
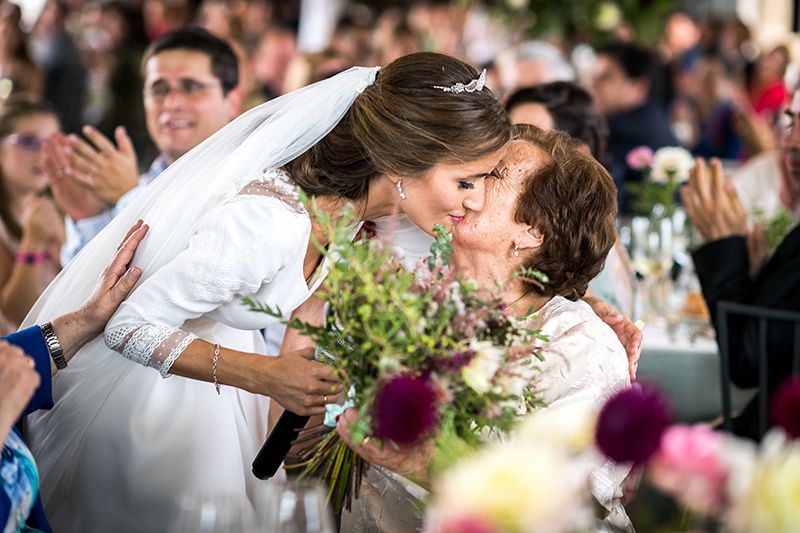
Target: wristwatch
53, 345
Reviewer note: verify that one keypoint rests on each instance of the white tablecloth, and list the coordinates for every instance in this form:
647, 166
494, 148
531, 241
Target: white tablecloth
687, 372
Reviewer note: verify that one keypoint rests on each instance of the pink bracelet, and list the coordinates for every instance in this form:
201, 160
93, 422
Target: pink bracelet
33, 258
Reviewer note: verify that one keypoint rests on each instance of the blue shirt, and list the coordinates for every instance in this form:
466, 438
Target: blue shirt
20, 506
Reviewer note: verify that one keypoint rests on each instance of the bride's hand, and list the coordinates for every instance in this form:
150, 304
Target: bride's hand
299, 383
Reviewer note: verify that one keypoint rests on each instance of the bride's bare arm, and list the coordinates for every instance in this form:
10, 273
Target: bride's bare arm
292, 379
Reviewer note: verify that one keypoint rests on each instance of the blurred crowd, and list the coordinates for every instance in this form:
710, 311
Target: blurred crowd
96, 103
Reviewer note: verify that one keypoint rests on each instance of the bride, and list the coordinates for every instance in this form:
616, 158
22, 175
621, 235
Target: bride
136, 422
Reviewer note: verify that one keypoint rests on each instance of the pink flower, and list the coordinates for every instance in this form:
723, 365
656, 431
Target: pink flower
464, 524
639, 158
689, 466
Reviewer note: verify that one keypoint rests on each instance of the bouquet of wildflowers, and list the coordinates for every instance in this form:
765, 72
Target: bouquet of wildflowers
664, 171
422, 355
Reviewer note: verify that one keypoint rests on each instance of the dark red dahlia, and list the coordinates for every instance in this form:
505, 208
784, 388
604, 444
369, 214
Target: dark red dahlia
786, 407
405, 409
631, 423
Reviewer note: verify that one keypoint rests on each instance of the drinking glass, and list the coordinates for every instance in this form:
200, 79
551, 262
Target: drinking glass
213, 512
293, 507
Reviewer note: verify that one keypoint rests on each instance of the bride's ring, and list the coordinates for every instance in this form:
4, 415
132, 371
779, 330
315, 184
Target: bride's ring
325, 400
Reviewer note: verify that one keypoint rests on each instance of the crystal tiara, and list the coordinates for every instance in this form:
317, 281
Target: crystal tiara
471, 87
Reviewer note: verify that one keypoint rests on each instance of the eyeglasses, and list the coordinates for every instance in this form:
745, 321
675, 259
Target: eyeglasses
26, 142
187, 87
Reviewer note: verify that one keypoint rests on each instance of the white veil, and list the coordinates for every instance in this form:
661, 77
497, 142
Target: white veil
267, 136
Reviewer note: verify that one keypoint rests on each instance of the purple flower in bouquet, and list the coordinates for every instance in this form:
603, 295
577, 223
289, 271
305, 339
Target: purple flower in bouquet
786, 407
405, 409
631, 423
452, 363
639, 158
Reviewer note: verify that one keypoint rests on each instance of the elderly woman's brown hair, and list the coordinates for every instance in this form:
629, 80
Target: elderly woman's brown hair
572, 202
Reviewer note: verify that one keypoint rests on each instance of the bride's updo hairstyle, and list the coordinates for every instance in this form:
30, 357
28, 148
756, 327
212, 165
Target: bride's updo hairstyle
403, 125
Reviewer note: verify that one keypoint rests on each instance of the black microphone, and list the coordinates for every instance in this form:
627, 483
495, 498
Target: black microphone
278, 444
280, 439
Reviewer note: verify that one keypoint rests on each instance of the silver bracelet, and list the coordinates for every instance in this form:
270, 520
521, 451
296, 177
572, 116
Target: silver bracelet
214, 362
53, 345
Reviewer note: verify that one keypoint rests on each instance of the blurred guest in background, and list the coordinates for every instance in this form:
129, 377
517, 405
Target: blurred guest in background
123, 25
714, 96
31, 227
18, 73
624, 86
767, 89
271, 59
191, 90
532, 63
733, 266
55, 52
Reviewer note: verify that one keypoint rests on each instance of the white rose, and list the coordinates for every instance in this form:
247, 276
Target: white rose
513, 379
570, 425
497, 486
671, 161
479, 373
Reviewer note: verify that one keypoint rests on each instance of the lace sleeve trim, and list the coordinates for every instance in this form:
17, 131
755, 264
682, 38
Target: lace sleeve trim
154, 346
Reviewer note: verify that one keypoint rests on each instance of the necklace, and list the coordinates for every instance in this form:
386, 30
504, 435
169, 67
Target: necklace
524, 294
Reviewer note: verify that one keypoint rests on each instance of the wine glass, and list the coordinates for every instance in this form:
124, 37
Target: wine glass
293, 507
213, 512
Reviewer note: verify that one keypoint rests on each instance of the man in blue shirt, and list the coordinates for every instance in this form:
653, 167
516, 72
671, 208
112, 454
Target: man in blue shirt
191, 90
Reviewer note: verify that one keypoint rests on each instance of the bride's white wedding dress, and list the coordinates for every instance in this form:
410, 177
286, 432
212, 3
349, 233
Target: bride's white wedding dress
123, 442
154, 438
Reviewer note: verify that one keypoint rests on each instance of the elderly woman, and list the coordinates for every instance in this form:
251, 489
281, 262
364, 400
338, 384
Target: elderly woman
553, 210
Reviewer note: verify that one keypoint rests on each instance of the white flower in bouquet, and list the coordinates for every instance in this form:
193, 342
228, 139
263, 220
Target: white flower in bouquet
671, 162
570, 425
479, 373
772, 502
513, 486
514, 381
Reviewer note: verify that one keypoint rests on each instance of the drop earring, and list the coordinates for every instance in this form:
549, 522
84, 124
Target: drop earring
516, 251
399, 185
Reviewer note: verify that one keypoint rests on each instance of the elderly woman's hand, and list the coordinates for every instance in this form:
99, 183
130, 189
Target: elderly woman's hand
411, 461
18, 381
116, 282
628, 334
712, 203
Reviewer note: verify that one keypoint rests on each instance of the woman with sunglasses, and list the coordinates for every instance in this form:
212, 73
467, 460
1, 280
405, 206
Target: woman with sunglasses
31, 227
